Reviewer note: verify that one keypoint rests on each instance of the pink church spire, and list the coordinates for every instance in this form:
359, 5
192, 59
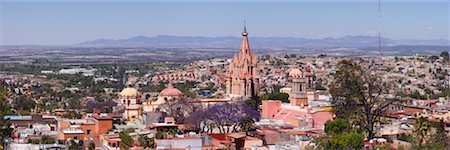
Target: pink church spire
242, 73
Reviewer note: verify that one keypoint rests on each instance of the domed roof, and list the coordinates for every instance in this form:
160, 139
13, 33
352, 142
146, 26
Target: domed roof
295, 73
129, 91
171, 91
308, 72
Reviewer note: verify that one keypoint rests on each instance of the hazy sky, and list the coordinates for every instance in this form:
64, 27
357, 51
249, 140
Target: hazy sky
69, 22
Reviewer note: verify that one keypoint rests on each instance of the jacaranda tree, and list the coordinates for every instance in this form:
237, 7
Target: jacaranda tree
228, 117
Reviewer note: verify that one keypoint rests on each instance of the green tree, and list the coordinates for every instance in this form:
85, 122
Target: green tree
74, 103
345, 140
337, 126
276, 87
24, 103
125, 140
355, 88
253, 102
248, 124
445, 56
5, 109
352, 140
421, 128
159, 135
342, 136
146, 142
47, 140
440, 138
72, 115
74, 146
284, 97
422, 138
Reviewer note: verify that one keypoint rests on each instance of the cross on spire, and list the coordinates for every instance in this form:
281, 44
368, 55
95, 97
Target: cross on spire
245, 29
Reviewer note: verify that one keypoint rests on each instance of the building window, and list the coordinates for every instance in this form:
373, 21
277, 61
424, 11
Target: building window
88, 131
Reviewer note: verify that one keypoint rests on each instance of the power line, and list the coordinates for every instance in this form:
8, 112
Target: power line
379, 28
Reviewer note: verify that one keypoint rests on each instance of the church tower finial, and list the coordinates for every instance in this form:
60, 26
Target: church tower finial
245, 29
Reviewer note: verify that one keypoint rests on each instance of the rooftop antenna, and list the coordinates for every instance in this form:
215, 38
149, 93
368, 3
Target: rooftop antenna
379, 28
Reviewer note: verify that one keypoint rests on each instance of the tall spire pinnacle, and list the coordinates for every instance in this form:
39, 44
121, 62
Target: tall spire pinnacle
245, 48
245, 29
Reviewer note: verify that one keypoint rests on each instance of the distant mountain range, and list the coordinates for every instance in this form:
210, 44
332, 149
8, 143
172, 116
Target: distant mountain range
166, 41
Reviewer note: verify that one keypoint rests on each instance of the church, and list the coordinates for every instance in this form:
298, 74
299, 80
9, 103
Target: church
242, 75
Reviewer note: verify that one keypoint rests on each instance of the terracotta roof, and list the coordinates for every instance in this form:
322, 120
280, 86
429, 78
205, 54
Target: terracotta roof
236, 135
171, 91
218, 136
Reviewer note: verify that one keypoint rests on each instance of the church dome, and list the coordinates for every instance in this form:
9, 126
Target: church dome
129, 91
308, 72
295, 73
171, 91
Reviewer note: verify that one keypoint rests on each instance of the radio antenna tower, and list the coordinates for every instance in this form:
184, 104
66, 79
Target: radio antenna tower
379, 28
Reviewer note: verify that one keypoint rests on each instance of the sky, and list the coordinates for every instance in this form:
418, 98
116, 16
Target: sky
65, 22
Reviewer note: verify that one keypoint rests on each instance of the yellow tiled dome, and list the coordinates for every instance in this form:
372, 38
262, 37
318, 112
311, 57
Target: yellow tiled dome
295, 73
129, 92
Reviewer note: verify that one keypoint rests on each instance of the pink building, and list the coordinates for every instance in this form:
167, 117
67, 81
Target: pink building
242, 74
295, 115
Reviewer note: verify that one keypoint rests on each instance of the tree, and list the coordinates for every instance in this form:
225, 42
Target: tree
445, 56
228, 117
337, 126
24, 103
74, 146
72, 115
74, 103
146, 142
47, 140
421, 128
355, 88
276, 87
342, 135
125, 140
433, 58
247, 124
284, 97
423, 139
253, 102
440, 138
179, 109
5, 109
352, 140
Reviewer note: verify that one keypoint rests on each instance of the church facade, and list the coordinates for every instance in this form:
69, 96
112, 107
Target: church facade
242, 75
